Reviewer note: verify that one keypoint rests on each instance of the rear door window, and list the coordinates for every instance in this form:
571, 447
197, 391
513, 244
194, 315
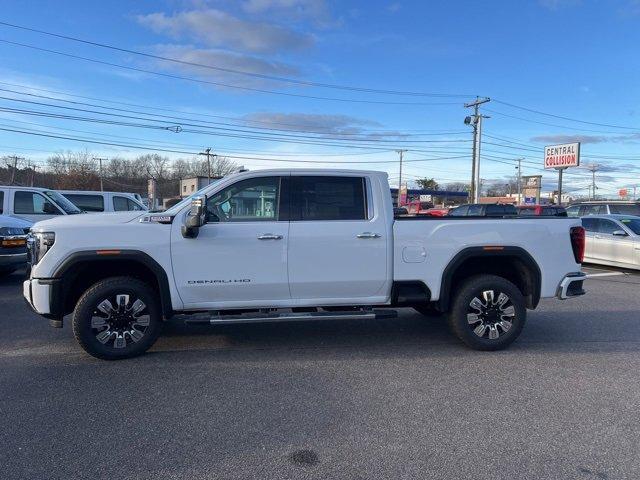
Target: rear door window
87, 202
33, 203
328, 198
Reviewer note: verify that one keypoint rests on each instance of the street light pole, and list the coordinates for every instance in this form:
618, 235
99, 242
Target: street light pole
400, 176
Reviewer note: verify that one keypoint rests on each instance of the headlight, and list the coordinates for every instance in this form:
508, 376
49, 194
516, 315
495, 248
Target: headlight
38, 244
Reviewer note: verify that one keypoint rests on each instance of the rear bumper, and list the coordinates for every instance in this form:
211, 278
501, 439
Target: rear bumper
571, 286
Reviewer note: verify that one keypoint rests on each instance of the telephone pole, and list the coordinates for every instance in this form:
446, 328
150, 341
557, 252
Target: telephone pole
100, 170
519, 168
475, 121
15, 159
400, 177
207, 152
593, 168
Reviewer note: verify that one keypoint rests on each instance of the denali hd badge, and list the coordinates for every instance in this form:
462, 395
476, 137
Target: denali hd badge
209, 282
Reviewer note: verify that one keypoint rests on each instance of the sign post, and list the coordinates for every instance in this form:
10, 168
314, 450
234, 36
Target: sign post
561, 157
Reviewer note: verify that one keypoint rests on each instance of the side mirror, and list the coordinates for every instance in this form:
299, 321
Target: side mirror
620, 233
195, 218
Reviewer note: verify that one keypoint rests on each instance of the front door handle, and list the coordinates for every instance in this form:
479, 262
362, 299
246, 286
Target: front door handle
269, 236
368, 235
599, 237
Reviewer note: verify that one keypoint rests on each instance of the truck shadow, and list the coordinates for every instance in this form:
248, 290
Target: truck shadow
409, 334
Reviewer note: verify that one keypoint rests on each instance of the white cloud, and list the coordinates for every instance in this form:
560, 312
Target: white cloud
586, 138
215, 28
317, 123
223, 59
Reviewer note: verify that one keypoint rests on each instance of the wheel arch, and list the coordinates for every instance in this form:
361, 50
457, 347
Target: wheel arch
512, 263
83, 269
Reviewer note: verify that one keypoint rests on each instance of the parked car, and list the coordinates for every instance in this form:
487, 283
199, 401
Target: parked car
612, 240
484, 210
34, 204
282, 245
541, 211
13, 244
416, 207
89, 201
608, 207
437, 212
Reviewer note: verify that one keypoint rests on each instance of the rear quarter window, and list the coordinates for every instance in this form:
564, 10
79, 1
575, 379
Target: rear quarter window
86, 202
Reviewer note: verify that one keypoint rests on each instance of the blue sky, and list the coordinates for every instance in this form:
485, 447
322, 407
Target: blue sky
571, 58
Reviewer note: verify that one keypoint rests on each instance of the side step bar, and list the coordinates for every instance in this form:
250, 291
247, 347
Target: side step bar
255, 317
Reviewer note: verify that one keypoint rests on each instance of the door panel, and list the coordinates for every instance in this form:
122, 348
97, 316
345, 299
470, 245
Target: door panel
241, 256
612, 248
337, 245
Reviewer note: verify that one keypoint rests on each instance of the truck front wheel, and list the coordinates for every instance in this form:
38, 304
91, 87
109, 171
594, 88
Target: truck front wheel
488, 312
117, 318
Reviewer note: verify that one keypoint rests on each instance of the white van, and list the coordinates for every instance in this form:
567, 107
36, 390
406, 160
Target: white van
34, 204
96, 201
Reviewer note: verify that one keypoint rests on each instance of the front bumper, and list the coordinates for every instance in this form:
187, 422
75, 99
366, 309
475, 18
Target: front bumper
10, 260
571, 286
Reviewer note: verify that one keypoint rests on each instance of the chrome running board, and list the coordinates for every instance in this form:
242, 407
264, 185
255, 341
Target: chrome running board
214, 318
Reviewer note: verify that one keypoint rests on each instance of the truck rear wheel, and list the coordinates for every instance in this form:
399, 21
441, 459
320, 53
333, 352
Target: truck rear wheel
117, 318
488, 312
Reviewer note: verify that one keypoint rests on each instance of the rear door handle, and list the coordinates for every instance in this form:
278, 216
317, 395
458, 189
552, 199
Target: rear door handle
368, 235
269, 236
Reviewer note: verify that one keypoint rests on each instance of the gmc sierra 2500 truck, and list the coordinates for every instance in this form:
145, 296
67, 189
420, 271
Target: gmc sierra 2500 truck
276, 245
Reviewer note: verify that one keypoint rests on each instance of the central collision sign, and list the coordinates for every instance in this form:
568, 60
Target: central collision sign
562, 156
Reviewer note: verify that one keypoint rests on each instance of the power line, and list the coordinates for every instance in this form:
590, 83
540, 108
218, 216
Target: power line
389, 133
229, 70
218, 84
202, 114
538, 112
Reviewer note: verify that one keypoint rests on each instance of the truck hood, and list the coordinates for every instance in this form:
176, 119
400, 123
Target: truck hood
12, 222
86, 220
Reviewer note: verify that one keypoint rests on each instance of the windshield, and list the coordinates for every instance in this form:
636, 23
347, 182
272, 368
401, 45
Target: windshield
66, 205
632, 224
185, 201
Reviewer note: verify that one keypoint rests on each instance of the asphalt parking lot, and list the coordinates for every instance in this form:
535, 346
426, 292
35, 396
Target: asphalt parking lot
346, 400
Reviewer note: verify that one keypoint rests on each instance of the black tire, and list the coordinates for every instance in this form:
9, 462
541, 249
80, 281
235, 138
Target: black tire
126, 332
492, 318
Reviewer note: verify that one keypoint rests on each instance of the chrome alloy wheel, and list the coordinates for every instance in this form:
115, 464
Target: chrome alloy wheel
492, 315
127, 321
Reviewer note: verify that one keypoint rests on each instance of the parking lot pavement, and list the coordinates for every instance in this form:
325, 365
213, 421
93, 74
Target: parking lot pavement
347, 400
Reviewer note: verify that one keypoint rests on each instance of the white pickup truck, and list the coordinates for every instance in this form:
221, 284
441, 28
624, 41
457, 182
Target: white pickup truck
276, 245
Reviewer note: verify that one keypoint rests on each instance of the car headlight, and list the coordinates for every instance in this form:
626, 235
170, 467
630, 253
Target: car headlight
38, 244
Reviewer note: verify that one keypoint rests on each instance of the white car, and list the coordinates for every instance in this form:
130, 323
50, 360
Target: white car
99, 201
34, 204
612, 240
281, 245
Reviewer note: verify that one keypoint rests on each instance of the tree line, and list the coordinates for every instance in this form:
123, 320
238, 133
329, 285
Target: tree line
80, 170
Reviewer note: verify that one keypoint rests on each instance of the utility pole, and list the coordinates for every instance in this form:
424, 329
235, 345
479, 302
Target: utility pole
100, 170
15, 159
400, 176
207, 152
593, 168
519, 168
634, 193
33, 173
475, 121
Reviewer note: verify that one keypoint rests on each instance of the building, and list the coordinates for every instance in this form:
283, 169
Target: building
191, 185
